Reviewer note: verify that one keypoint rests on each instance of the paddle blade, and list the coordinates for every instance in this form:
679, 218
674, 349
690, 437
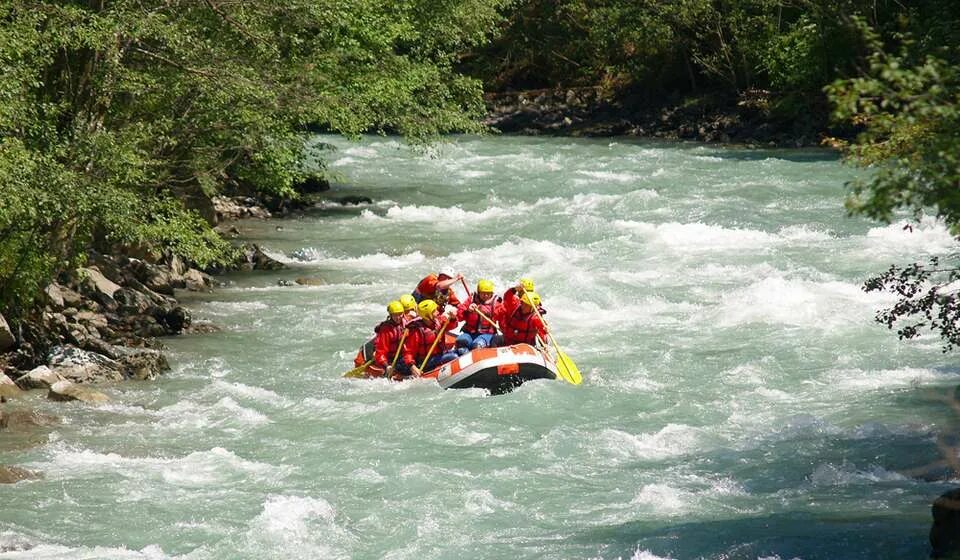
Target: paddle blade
567, 369
358, 371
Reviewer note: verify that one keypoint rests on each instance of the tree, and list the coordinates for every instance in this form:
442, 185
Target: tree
908, 105
119, 118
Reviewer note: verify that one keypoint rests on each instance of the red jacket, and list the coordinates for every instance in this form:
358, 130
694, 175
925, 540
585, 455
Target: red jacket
420, 337
427, 289
386, 342
474, 323
516, 326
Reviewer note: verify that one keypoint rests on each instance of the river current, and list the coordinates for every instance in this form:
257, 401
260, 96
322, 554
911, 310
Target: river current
738, 400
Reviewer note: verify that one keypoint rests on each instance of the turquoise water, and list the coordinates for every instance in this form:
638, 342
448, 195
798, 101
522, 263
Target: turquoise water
738, 402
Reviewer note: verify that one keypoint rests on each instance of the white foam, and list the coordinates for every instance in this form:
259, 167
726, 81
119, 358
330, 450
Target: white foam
801, 303
199, 469
845, 475
58, 552
298, 526
483, 502
621, 177
672, 440
859, 380
905, 238
698, 237
375, 261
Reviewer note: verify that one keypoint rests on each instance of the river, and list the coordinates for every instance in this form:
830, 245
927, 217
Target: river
738, 400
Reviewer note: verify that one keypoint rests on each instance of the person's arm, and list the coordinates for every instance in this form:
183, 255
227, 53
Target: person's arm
382, 348
447, 282
410, 347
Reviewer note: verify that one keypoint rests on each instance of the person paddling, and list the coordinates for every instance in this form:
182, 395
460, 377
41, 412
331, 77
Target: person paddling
477, 331
438, 288
409, 307
518, 320
421, 335
387, 340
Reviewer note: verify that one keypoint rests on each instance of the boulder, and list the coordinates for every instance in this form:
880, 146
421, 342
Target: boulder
95, 282
252, 257
83, 366
141, 363
304, 281
945, 532
7, 340
9, 475
55, 295
156, 277
131, 302
20, 419
67, 391
41, 377
8, 388
70, 297
197, 281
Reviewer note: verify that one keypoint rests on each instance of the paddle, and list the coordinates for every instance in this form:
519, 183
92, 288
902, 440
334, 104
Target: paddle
436, 339
359, 370
393, 364
565, 366
489, 320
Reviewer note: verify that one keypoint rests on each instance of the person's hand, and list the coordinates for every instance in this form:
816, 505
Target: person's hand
451, 316
459, 276
388, 372
416, 371
473, 307
520, 289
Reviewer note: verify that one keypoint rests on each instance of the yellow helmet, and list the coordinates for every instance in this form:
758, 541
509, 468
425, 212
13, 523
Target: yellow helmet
408, 302
427, 308
485, 286
394, 307
531, 298
527, 284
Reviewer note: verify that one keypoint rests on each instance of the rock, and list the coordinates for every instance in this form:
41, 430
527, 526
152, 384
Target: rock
131, 302
312, 184
67, 391
173, 319
310, 281
197, 281
15, 420
7, 340
945, 532
9, 475
8, 388
141, 363
203, 327
41, 377
95, 281
155, 277
83, 366
70, 297
54, 295
253, 258
354, 200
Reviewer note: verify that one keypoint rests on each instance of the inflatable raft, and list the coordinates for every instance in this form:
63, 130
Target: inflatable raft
499, 370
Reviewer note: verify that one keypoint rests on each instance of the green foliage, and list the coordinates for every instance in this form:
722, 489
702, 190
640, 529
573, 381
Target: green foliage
116, 116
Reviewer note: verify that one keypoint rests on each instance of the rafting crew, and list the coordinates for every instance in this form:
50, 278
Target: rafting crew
477, 312
425, 347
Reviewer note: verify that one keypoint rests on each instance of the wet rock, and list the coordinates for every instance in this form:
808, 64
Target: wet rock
82, 366
945, 532
238, 207
354, 200
203, 327
18, 420
41, 377
8, 388
173, 320
67, 391
141, 363
310, 281
197, 281
10, 475
252, 257
155, 277
7, 340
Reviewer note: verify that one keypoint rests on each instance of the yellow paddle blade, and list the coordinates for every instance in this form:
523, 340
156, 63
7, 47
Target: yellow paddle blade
567, 369
359, 370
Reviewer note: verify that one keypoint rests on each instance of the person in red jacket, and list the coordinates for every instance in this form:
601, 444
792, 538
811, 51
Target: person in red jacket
421, 334
518, 320
477, 331
438, 287
387, 340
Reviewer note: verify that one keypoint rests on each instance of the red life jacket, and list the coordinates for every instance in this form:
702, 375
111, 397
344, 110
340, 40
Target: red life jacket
387, 341
419, 340
521, 328
475, 324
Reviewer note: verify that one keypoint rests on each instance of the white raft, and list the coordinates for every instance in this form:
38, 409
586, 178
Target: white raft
498, 370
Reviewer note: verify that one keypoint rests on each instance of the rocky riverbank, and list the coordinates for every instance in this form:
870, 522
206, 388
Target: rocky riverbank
749, 119
103, 322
